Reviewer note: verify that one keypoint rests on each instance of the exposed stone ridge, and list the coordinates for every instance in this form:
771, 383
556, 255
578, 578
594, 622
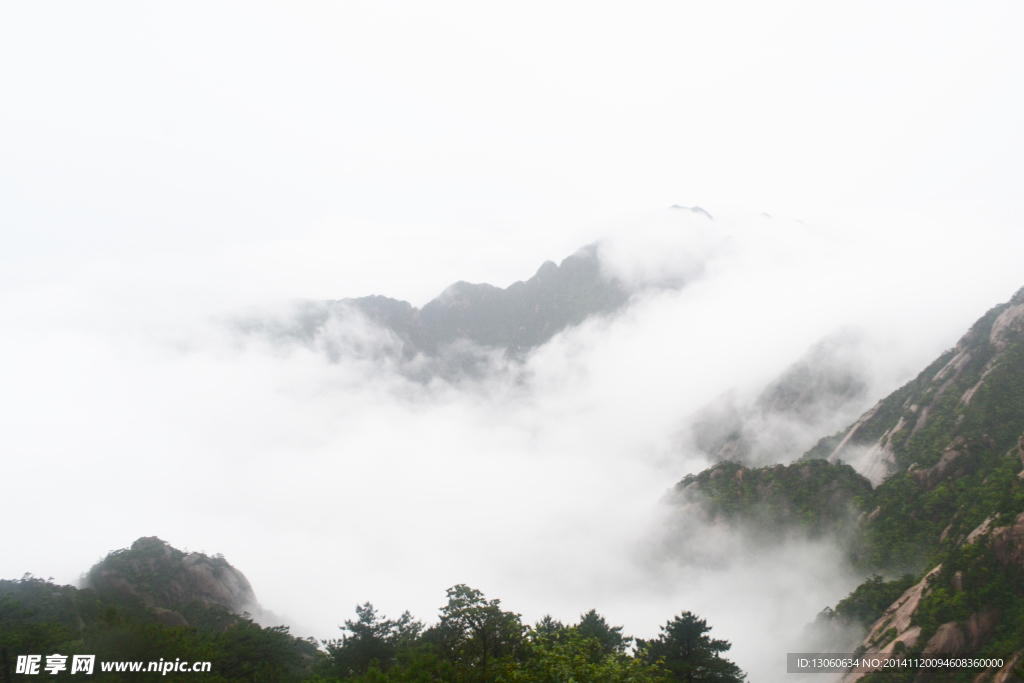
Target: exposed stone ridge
163, 577
520, 317
880, 441
896, 624
1009, 324
954, 462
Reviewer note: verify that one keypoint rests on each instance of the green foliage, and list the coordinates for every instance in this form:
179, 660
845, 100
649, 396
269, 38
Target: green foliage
815, 496
548, 626
955, 438
576, 657
477, 636
689, 654
610, 639
38, 617
911, 524
869, 600
370, 641
825, 447
474, 641
926, 498
24, 629
956, 435
973, 580
149, 566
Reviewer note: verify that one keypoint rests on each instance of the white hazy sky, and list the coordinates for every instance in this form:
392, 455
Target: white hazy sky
185, 127
164, 167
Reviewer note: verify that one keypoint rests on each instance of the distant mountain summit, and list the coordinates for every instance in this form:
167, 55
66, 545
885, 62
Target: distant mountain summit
694, 209
518, 318
462, 329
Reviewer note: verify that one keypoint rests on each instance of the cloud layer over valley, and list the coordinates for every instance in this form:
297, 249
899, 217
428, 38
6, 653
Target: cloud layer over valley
135, 405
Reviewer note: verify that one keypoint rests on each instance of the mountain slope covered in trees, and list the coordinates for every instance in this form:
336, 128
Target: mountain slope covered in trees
822, 391
944, 521
924, 492
150, 603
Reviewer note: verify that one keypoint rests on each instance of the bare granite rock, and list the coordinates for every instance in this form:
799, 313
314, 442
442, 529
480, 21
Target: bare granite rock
165, 578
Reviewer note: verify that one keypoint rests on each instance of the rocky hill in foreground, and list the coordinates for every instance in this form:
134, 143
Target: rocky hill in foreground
150, 603
167, 580
167, 612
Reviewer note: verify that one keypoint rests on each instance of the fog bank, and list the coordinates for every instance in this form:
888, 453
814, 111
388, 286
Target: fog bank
133, 406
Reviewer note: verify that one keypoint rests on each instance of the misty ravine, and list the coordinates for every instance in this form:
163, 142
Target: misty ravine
522, 342
536, 464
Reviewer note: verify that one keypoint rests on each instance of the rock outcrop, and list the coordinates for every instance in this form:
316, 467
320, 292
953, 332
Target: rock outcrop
1008, 542
880, 443
896, 628
951, 445
954, 462
164, 578
898, 623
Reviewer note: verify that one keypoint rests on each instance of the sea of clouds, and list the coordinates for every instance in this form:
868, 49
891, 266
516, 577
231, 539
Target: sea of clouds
133, 404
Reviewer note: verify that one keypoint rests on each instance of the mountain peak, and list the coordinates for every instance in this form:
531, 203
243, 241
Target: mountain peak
163, 577
516, 318
694, 209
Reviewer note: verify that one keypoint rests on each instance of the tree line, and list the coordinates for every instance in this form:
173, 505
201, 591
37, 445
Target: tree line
476, 641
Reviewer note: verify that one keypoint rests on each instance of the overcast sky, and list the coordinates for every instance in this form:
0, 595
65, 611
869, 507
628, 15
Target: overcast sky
128, 128
164, 167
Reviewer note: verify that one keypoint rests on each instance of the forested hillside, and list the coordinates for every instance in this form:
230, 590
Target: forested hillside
149, 603
942, 532
822, 391
924, 493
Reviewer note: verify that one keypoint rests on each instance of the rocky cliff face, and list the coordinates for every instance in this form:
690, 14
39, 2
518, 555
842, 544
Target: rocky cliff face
166, 579
916, 426
946, 455
917, 620
944, 508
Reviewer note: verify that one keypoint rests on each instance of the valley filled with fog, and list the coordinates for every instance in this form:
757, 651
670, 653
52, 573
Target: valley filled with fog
786, 211
134, 408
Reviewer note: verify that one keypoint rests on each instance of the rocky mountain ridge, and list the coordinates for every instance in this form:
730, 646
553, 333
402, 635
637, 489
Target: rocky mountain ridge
467, 321
150, 603
166, 579
814, 498
904, 429
939, 498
